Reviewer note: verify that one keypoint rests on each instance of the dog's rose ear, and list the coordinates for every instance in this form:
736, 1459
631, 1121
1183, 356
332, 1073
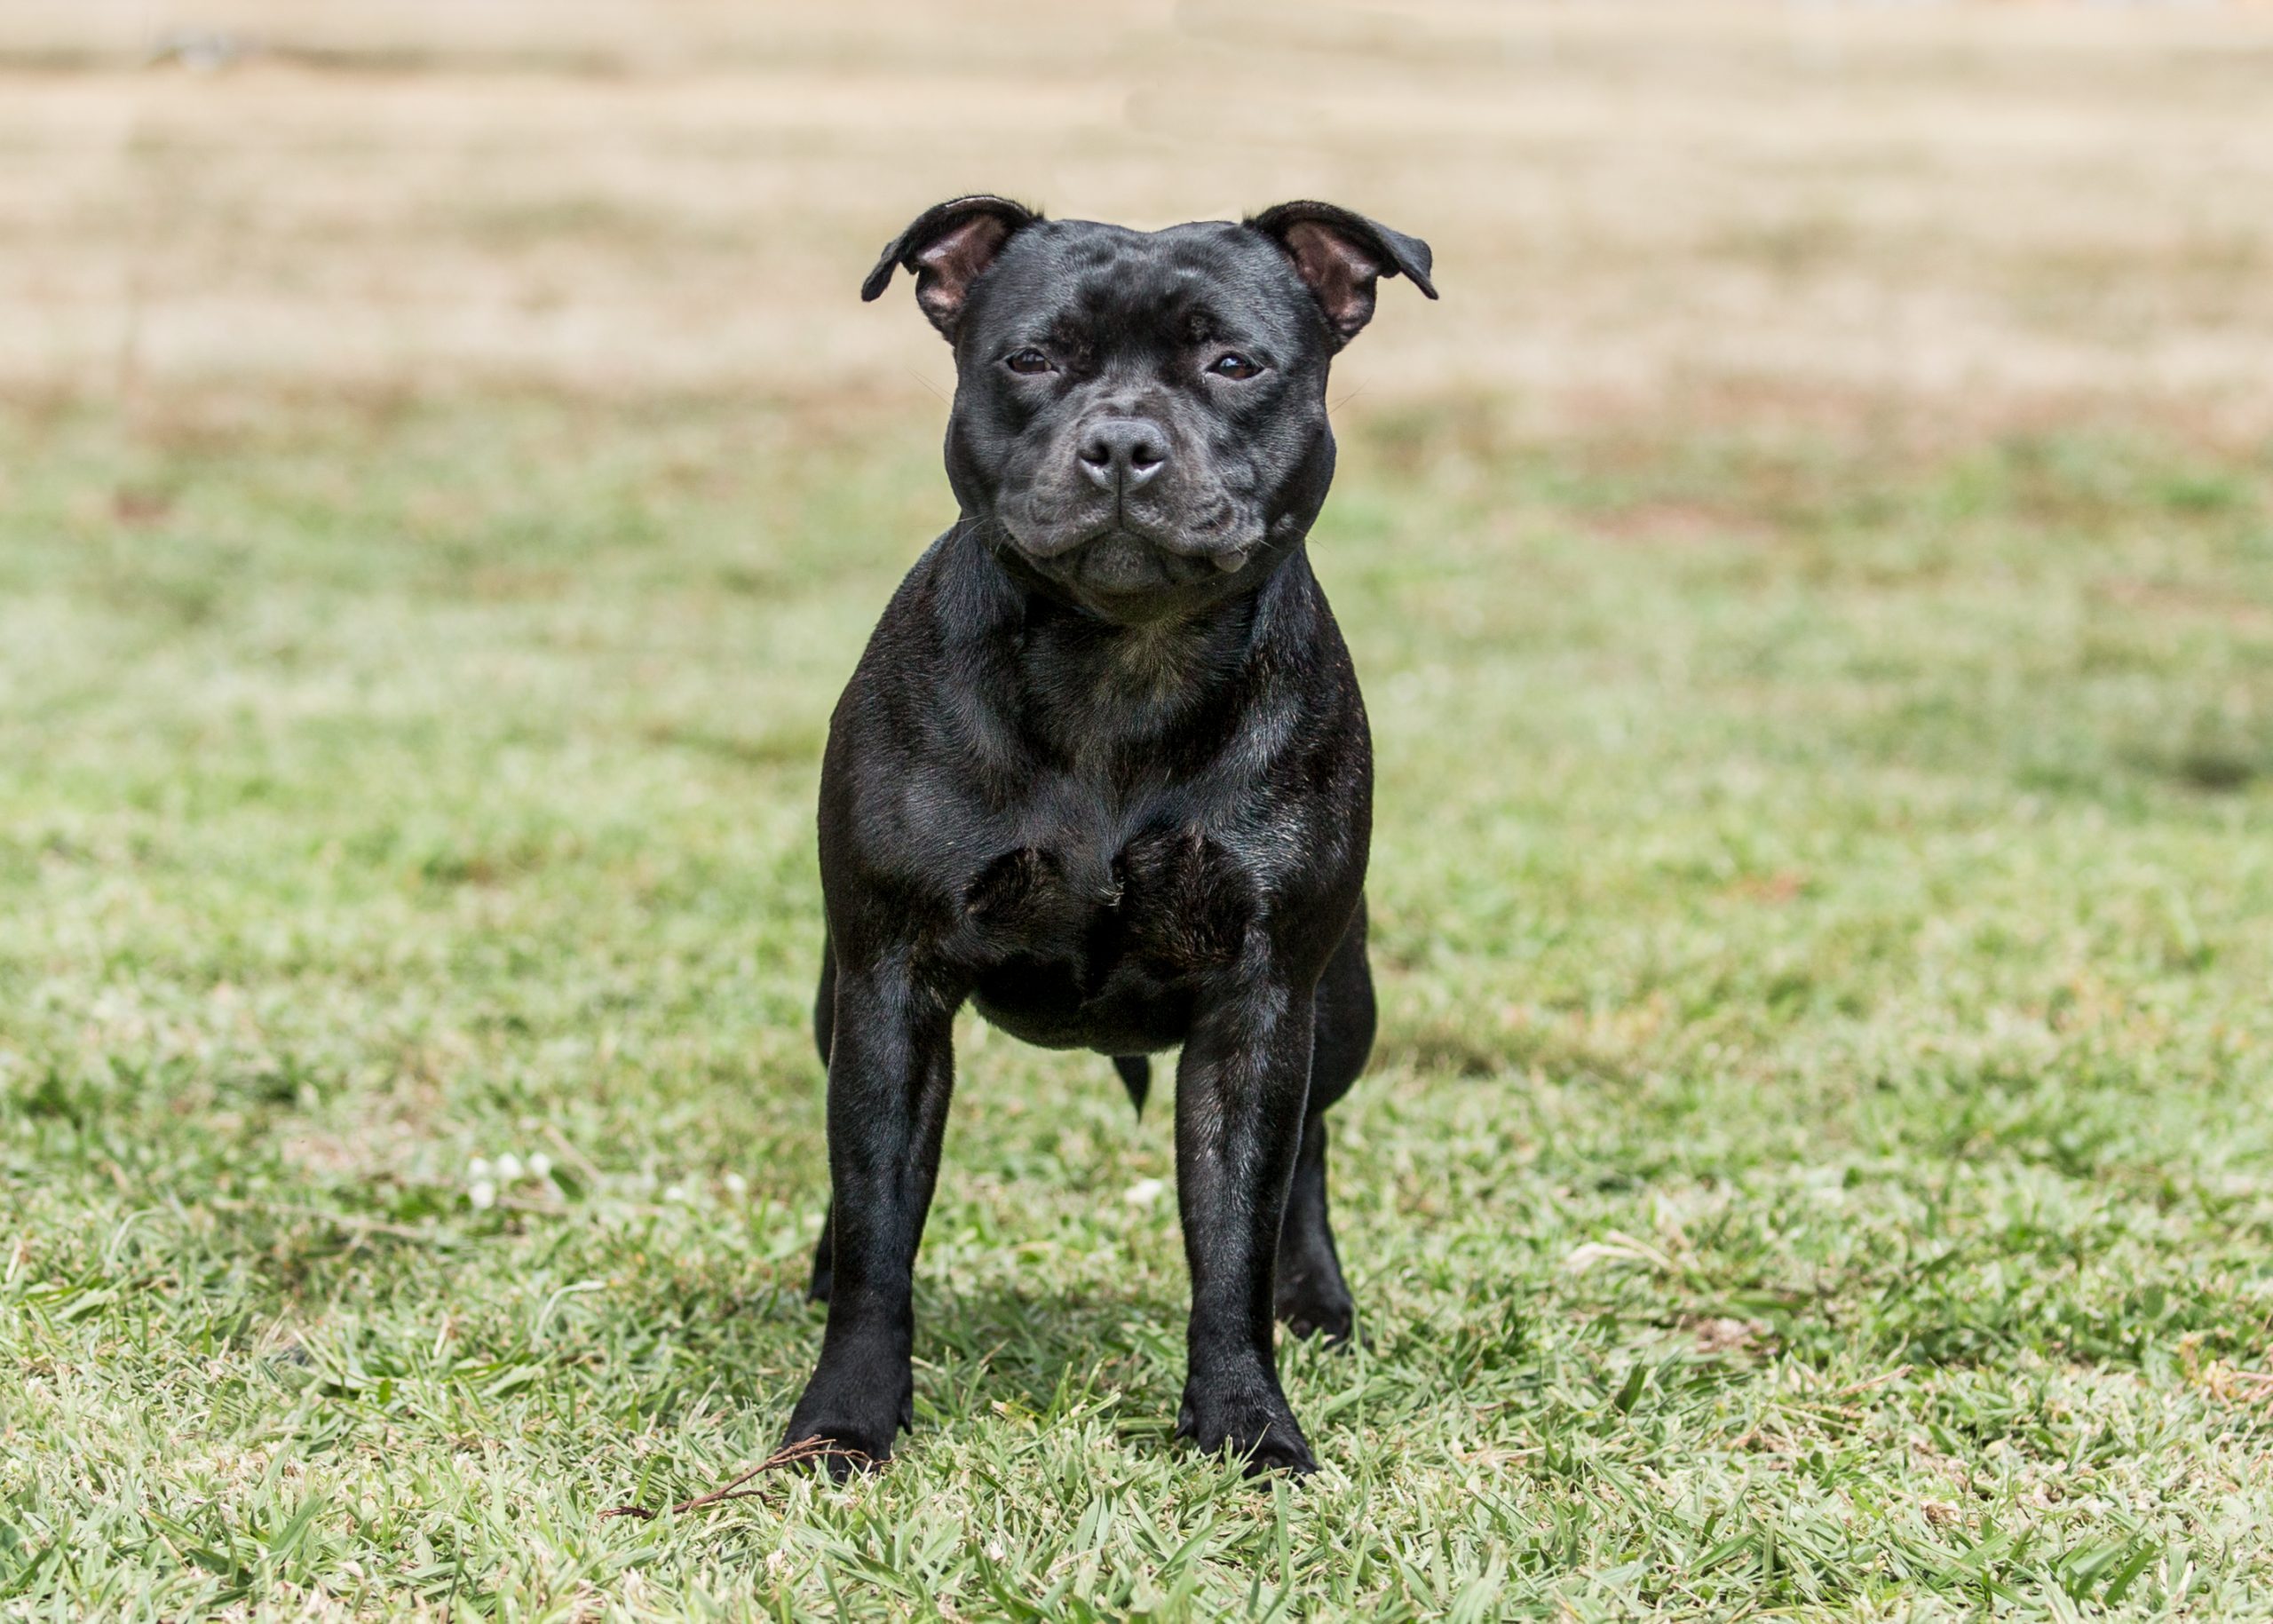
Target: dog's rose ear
1341, 255
947, 246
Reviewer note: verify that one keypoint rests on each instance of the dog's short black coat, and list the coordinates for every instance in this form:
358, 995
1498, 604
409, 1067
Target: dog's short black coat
1104, 771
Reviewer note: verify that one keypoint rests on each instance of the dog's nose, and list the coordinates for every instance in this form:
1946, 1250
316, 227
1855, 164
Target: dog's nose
1124, 451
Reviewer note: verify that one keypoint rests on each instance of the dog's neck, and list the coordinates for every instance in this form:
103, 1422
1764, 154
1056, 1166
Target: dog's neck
1085, 688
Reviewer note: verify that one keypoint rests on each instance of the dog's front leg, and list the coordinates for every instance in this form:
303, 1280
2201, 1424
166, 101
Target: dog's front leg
1240, 1091
891, 1071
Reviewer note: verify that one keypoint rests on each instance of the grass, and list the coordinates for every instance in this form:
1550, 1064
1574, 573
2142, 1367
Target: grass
1817, 1162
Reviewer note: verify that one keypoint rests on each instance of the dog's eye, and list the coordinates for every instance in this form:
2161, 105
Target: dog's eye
1233, 364
1029, 361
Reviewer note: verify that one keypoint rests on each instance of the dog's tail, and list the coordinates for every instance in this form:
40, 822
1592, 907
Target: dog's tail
1135, 1076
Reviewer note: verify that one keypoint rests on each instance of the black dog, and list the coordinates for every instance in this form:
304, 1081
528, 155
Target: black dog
1103, 769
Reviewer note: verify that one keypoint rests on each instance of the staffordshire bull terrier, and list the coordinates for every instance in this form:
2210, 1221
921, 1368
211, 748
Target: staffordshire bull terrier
1104, 771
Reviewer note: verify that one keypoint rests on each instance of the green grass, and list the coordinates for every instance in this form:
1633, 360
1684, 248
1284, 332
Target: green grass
1817, 1162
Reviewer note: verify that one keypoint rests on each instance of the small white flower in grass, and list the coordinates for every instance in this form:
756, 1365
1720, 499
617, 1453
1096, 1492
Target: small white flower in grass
477, 1168
483, 1194
509, 1168
676, 1194
995, 1550
736, 1184
540, 1166
1144, 1192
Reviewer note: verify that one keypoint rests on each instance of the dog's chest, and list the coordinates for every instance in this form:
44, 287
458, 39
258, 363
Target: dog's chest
1176, 898
1086, 941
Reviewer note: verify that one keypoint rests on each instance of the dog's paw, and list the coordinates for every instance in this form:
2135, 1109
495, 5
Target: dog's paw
848, 1427
1315, 1307
1253, 1422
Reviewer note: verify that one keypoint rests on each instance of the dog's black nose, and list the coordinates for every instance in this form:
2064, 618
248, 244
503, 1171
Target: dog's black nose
1124, 451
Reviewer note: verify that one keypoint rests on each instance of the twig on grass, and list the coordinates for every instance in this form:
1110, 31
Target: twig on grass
339, 1220
560, 1143
1881, 1380
795, 1455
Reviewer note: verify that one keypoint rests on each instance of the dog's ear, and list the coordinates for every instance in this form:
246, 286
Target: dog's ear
1341, 255
947, 246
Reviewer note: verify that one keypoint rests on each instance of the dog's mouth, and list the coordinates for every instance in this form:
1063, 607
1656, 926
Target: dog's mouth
1122, 555
1124, 561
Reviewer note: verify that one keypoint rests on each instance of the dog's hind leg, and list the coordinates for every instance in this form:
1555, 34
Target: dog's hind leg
1310, 1293
824, 1025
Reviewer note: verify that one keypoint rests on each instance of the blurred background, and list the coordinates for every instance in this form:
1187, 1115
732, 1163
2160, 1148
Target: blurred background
1995, 213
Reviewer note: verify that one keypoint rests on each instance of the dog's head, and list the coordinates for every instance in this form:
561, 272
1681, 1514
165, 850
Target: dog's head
1140, 416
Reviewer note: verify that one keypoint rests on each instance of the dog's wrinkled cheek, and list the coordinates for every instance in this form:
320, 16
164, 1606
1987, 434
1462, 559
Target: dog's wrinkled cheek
973, 473
1191, 494
1289, 464
1002, 456
1041, 480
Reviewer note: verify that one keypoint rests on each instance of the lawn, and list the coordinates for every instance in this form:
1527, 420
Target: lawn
1818, 1160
